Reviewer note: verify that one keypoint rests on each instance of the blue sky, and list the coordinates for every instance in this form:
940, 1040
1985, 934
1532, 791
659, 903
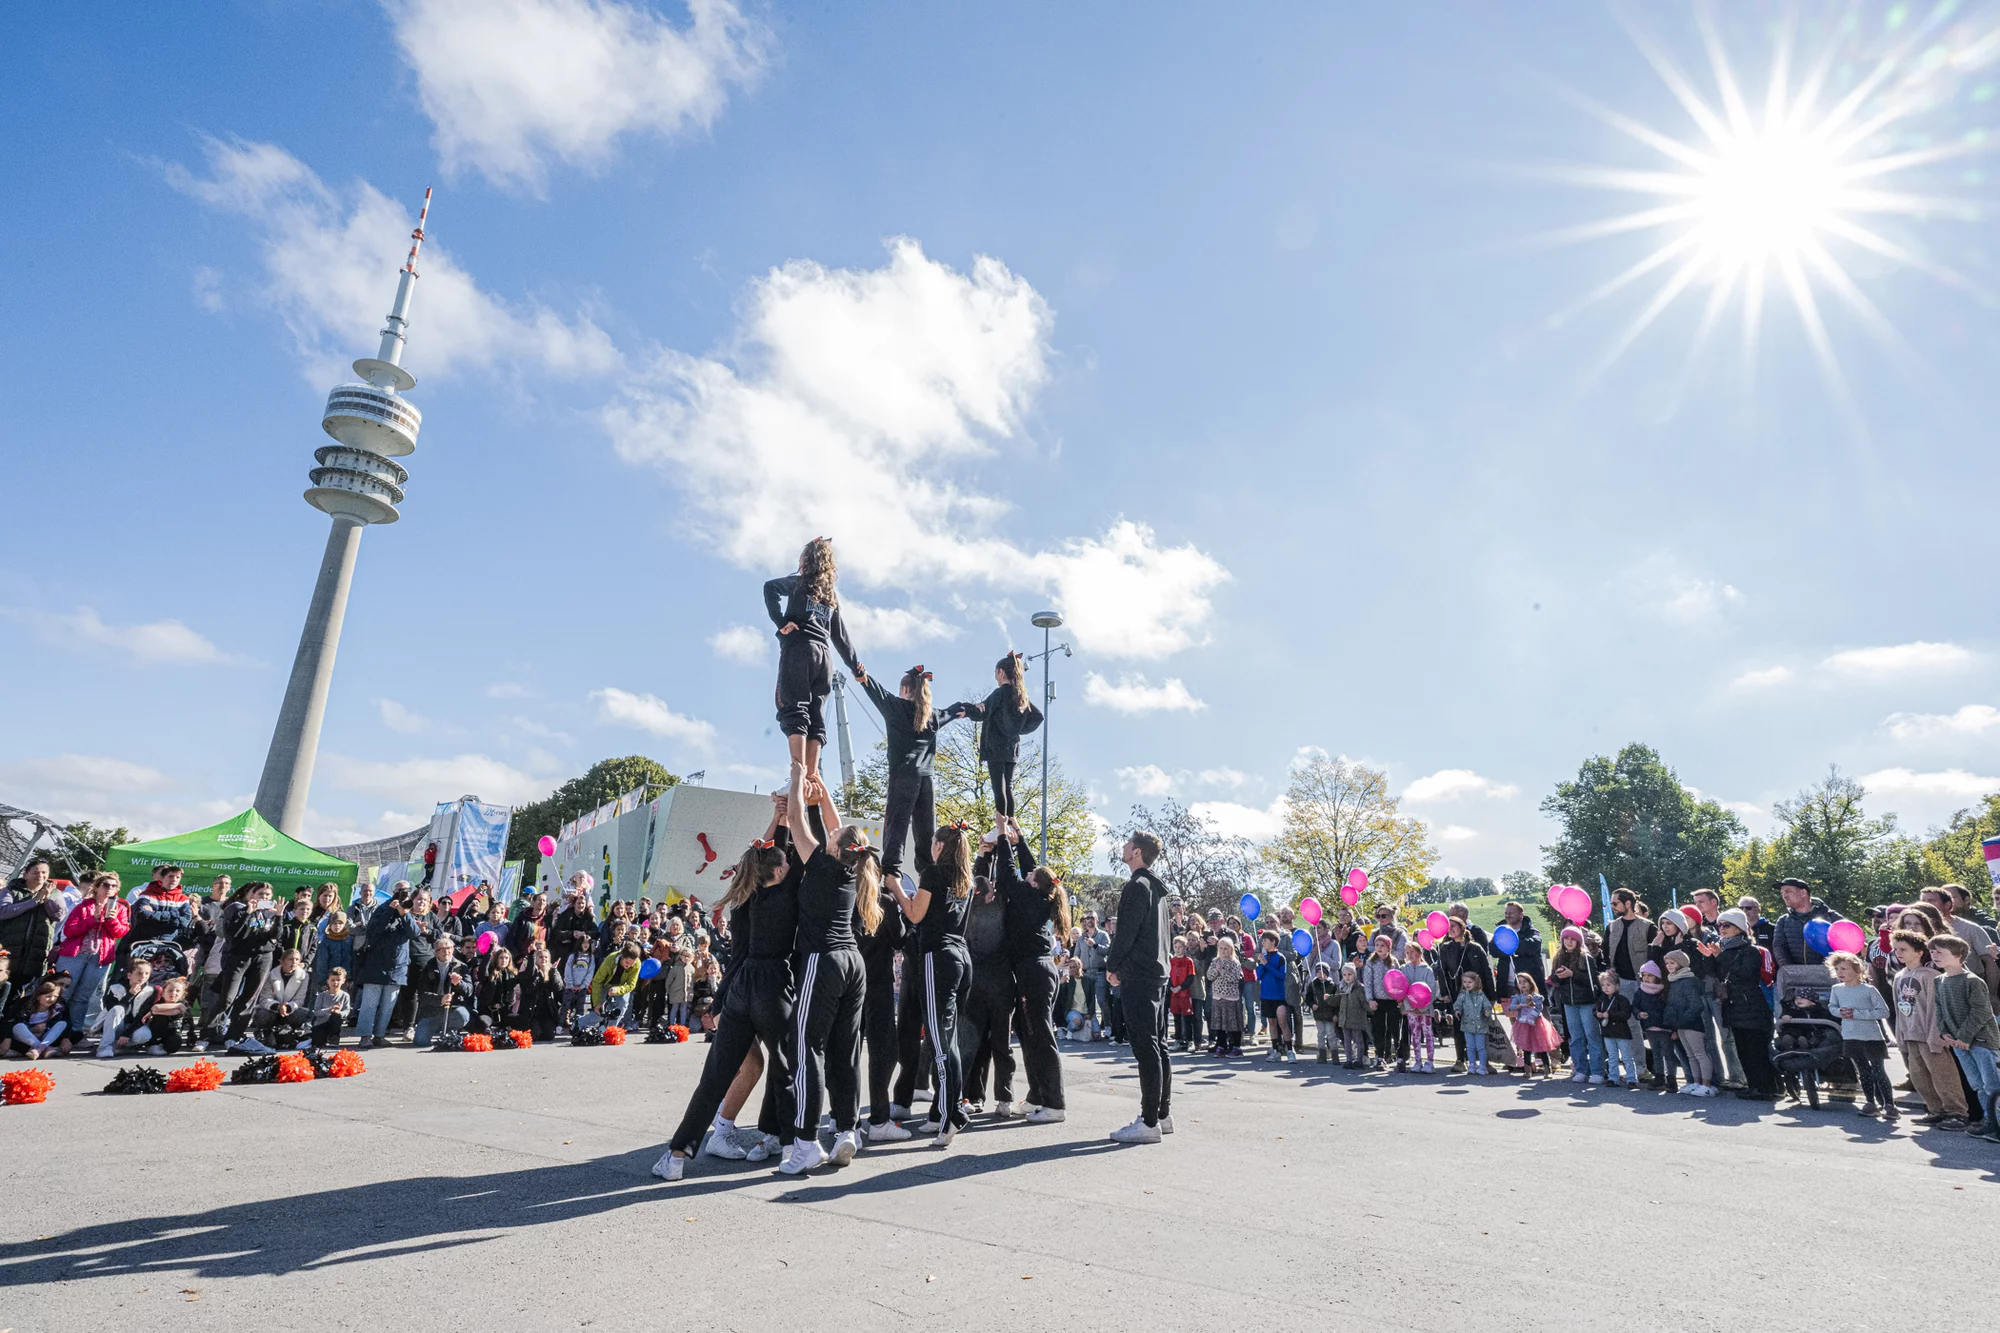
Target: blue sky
1248, 343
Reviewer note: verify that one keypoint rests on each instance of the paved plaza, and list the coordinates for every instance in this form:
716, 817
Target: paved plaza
510, 1191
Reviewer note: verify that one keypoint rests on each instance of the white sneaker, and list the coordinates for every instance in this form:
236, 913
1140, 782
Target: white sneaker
762, 1149
1010, 1110
105, 1052
887, 1132
201, 1047
898, 1111
156, 1049
1579, 1078
845, 1145
721, 1143
1291, 1057
803, 1157
669, 1167
1046, 1115
1136, 1132
1274, 1054
1166, 1124
1597, 1078
945, 1136
1690, 1090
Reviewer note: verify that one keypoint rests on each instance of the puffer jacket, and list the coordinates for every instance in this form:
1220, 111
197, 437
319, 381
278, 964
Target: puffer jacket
1579, 988
1788, 935
1743, 974
387, 961
1685, 1008
1649, 1008
158, 918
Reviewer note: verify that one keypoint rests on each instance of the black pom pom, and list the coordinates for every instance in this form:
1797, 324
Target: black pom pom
135, 1080
257, 1069
448, 1041
587, 1037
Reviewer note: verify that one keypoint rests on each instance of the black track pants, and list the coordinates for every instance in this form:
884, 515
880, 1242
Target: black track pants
1145, 1006
1002, 775
826, 1042
911, 799
878, 1026
763, 990
735, 1034
985, 1030
911, 1031
1035, 990
946, 977
804, 681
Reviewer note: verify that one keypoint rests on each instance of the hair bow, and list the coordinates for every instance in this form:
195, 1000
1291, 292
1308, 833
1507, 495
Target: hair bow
918, 670
766, 844
962, 826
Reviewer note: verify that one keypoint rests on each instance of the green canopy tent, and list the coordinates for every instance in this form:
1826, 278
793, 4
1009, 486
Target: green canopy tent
243, 847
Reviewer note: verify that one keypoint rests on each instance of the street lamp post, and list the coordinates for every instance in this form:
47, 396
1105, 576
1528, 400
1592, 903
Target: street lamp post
1045, 621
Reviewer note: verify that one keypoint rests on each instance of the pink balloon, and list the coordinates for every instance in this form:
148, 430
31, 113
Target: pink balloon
1846, 937
1350, 895
547, 846
1556, 896
1438, 924
1357, 878
1309, 909
1396, 984
486, 942
1575, 904
1424, 940
1419, 995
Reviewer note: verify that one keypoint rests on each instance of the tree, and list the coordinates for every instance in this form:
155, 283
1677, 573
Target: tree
1339, 817
1196, 862
1450, 889
1952, 854
1630, 820
605, 780
96, 844
1831, 843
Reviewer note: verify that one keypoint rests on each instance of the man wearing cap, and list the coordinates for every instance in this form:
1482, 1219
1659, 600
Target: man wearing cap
1788, 935
1527, 955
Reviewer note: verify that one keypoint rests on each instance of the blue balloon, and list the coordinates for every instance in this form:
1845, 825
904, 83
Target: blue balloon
1816, 936
1506, 939
1250, 907
649, 969
1302, 942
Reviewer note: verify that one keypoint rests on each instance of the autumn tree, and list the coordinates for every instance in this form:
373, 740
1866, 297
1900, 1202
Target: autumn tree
1339, 817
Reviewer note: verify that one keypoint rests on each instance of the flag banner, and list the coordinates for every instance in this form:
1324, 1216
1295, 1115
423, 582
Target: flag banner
1991, 847
479, 845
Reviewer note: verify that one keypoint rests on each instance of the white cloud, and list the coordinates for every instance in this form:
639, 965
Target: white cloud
1147, 780
1133, 695
850, 402
1759, 678
112, 792
1953, 784
506, 689
887, 627
1454, 784
329, 264
1971, 720
649, 713
1234, 820
398, 718
419, 784
157, 643
1455, 833
1223, 777
512, 84
1692, 600
528, 726
64, 775
742, 643
1900, 659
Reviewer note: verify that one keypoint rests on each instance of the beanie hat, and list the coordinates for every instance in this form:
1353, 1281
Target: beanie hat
1675, 917
1735, 917
1571, 933
1650, 969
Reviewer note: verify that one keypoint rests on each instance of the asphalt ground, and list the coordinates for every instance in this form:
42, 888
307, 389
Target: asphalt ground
511, 1190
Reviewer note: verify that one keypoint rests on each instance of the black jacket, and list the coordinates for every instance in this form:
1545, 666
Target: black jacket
1527, 957
1002, 724
786, 601
910, 750
1031, 913
246, 935
1139, 950
1454, 959
1788, 935
1743, 974
433, 988
1580, 986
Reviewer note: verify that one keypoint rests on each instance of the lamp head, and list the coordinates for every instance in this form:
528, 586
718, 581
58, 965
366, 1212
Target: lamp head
1046, 620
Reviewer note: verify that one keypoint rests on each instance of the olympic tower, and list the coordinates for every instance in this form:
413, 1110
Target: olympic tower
357, 482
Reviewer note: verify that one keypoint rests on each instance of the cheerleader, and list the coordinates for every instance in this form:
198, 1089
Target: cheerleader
806, 609
838, 879
938, 911
757, 999
1006, 716
878, 1011
910, 727
1037, 913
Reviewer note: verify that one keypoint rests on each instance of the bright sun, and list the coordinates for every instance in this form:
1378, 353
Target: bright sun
1771, 192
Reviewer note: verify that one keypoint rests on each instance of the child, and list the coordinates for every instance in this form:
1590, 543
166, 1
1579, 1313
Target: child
126, 1004
1929, 1061
1533, 1034
1475, 1019
1686, 1018
284, 1006
1180, 993
1423, 1042
1861, 1009
701, 990
1225, 994
1069, 1001
578, 970
1323, 998
1271, 972
1806, 1024
1385, 1019
1614, 1020
1353, 1017
169, 1026
1965, 1017
680, 984
42, 1028
1650, 1008
336, 944
329, 1010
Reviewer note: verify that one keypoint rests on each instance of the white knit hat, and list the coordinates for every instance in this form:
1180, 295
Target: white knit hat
1735, 917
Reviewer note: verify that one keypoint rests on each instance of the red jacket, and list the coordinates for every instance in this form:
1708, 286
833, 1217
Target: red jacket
98, 931
1180, 995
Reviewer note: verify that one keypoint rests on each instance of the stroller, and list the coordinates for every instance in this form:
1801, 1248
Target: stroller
1807, 1039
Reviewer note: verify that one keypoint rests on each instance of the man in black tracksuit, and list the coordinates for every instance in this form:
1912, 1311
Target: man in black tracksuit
1137, 965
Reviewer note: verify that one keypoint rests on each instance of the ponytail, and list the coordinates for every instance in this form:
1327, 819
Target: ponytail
817, 572
918, 682
956, 862
1045, 879
1013, 668
757, 861
866, 863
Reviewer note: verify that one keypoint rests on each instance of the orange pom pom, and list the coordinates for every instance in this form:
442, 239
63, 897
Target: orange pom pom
523, 1039
201, 1076
679, 1030
24, 1087
294, 1068
345, 1064
477, 1041
614, 1036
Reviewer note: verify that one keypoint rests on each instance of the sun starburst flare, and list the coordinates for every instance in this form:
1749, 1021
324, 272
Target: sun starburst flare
1841, 157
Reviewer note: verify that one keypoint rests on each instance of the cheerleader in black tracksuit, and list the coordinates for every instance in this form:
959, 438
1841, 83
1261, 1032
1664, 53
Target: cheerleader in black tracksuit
839, 877
757, 1002
806, 610
910, 727
937, 910
1037, 916
878, 1011
1006, 716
